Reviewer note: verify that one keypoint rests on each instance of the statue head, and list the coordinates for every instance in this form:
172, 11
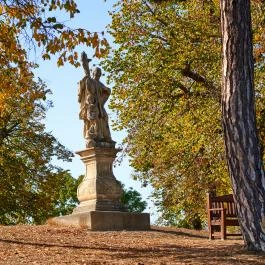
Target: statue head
97, 73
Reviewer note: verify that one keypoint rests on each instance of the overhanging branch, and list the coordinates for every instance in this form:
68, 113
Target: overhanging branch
213, 89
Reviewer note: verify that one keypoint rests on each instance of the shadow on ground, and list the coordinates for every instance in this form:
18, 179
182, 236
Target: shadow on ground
158, 246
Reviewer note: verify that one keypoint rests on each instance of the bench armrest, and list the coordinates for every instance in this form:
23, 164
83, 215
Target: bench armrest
220, 211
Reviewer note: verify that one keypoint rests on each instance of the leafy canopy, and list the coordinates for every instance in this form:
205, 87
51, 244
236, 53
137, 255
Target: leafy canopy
29, 182
166, 74
34, 22
31, 187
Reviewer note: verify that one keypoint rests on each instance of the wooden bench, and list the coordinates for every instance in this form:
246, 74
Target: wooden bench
221, 214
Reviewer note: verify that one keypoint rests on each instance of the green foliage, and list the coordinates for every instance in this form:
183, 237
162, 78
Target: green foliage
178, 218
33, 22
31, 187
132, 200
29, 183
166, 75
66, 195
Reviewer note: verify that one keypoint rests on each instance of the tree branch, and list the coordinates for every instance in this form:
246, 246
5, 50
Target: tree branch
214, 90
180, 86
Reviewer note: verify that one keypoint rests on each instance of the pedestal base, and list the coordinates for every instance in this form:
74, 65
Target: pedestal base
105, 220
98, 205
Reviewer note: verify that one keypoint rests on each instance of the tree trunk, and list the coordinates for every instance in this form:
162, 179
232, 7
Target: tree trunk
239, 122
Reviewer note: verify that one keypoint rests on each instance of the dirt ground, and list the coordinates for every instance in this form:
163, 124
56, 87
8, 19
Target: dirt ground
63, 245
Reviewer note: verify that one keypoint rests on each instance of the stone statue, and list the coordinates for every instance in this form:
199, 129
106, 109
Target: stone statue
99, 193
92, 95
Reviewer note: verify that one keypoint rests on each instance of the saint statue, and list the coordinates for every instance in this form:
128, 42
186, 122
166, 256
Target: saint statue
92, 95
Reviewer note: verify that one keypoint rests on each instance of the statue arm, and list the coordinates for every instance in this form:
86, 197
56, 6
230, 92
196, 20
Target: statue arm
106, 90
85, 63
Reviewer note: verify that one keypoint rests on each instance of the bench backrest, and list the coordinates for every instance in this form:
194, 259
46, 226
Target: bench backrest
224, 202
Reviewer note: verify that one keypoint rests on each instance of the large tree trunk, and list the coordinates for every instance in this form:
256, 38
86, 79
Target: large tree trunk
239, 122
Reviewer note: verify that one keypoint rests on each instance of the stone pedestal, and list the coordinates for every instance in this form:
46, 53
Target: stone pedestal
105, 220
99, 190
99, 195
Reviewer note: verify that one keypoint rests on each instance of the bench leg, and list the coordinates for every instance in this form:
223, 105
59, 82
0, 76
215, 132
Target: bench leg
210, 232
223, 226
222, 232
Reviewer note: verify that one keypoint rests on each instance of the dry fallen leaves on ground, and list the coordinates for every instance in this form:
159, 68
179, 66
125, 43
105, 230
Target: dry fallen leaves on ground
24, 244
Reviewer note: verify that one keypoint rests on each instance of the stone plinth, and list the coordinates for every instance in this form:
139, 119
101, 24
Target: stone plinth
105, 220
99, 189
99, 195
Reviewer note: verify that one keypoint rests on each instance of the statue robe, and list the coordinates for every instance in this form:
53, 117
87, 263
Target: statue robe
92, 96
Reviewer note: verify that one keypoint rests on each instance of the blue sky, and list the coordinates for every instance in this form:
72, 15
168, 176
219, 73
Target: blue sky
62, 120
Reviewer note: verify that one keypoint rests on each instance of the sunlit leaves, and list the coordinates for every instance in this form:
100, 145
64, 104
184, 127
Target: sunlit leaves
29, 183
166, 74
34, 23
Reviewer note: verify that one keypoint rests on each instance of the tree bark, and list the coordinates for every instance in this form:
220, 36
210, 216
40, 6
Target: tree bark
239, 122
